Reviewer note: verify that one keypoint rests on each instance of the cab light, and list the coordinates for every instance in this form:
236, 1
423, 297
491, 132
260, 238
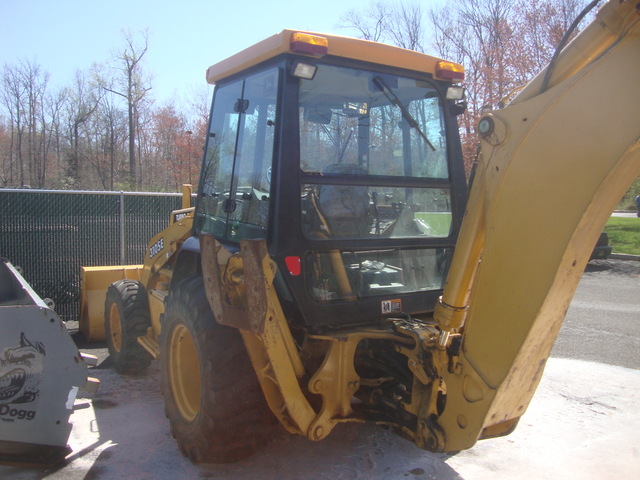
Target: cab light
303, 70
455, 92
307, 44
453, 72
293, 265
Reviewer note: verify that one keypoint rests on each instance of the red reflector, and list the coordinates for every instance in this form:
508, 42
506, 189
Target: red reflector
293, 264
308, 49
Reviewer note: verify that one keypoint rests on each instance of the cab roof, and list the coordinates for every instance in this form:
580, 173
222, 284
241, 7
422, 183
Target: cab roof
290, 41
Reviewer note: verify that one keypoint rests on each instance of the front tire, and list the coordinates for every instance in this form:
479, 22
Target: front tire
126, 314
213, 400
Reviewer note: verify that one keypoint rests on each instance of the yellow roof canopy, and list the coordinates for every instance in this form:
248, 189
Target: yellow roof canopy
319, 44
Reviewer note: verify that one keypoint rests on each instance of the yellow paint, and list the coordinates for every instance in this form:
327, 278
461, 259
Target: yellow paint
550, 175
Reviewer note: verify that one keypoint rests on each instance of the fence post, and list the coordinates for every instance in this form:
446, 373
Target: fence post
122, 253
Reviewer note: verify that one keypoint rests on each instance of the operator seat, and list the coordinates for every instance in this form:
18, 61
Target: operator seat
345, 208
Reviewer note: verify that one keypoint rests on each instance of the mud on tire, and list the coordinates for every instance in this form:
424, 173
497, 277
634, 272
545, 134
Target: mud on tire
213, 400
126, 315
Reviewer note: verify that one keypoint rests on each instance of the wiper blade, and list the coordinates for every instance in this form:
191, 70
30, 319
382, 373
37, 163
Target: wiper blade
393, 98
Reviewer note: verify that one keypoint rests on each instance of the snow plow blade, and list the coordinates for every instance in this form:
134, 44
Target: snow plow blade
41, 371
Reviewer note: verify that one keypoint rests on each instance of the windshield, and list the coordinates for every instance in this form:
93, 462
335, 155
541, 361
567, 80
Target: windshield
373, 156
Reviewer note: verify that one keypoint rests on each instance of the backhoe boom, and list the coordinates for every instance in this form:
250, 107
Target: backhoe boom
553, 166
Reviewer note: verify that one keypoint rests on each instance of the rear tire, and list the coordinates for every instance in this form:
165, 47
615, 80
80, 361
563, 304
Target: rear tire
213, 400
126, 317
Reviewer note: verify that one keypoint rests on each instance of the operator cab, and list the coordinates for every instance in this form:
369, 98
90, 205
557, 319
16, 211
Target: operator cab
344, 156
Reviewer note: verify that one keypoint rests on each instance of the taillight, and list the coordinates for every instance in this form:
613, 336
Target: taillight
293, 265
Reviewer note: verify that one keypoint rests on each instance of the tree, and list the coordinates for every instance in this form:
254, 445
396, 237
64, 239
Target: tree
405, 26
501, 43
371, 25
24, 98
199, 122
5, 154
168, 128
109, 127
133, 86
400, 23
34, 81
477, 34
175, 150
99, 132
54, 104
541, 26
12, 101
82, 102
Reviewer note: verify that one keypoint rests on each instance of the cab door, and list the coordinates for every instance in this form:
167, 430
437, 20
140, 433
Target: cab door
236, 175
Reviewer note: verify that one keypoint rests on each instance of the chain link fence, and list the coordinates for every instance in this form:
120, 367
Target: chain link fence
51, 234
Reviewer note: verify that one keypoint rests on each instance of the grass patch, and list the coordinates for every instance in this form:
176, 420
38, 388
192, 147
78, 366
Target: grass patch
628, 201
624, 234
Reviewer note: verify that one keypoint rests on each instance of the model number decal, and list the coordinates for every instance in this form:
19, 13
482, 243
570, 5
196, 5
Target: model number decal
156, 248
179, 216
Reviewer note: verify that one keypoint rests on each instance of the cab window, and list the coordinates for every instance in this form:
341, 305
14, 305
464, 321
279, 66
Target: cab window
236, 174
373, 156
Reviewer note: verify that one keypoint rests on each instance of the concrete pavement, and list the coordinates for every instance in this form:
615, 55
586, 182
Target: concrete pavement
582, 424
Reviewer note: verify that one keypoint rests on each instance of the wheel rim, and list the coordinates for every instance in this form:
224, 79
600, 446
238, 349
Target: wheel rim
115, 328
184, 372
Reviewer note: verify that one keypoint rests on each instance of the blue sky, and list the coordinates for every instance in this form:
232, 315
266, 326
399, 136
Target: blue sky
186, 36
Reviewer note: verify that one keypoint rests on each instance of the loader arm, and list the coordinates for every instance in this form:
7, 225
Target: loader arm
553, 166
154, 275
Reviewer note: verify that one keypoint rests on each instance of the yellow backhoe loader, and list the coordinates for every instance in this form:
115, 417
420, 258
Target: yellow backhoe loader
334, 268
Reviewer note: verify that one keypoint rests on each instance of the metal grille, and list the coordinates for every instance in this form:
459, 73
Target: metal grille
51, 234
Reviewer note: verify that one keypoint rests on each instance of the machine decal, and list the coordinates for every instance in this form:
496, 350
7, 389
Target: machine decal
20, 369
391, 306
156, 248
179, 216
